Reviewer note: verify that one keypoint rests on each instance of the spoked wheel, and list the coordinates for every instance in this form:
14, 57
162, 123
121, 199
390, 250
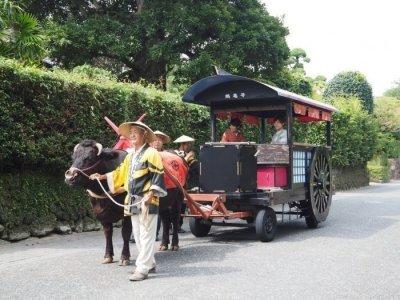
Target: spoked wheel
199, 227
320, 188
266, 224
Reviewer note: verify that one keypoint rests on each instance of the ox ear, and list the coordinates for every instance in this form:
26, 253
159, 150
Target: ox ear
76, 147
108, 154
99, 148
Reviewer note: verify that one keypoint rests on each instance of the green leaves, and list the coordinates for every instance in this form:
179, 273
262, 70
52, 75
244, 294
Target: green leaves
180, 38
351, 84
20, 34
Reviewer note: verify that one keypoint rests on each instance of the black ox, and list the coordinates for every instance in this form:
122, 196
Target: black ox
89, 157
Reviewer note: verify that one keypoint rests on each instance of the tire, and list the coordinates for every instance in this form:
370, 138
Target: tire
265, 224
199, 227
319, 201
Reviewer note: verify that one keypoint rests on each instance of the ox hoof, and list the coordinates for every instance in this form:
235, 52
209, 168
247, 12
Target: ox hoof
124, 262
107, 260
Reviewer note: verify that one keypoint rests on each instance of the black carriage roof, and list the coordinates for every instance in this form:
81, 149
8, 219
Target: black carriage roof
232, 90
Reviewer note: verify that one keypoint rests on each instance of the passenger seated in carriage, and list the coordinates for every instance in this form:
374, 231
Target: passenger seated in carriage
233, 134
280, 136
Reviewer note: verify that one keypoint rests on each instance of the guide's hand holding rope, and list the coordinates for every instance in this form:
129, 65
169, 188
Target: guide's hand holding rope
146, 199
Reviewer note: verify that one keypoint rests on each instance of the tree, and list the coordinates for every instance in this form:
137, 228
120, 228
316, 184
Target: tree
387, 112
297, 58
20, 34
318, 86
150, 39
351, 83
295, 81
394, 91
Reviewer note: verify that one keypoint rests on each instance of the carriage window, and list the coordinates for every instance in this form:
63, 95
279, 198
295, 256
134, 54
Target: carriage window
301, 161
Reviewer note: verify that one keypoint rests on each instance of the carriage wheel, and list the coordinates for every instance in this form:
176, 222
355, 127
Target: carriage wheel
199, 227
320, 188
266, 224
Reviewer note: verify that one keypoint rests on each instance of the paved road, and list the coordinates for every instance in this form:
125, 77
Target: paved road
355, 254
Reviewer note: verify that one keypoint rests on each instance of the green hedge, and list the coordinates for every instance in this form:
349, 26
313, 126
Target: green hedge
43, 114
36, 197
379, 169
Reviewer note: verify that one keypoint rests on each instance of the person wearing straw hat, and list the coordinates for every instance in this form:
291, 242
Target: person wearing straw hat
158, 144
185, 151
141, 174
170, 206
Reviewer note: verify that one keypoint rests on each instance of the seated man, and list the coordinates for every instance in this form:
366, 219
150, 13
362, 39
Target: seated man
280, 136
232, 134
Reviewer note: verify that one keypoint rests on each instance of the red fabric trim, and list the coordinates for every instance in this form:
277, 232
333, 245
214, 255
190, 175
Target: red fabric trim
251, 120
313, 113
326, 116
306, 119
299, 109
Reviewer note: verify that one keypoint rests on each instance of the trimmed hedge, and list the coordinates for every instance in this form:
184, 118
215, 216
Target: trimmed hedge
43, 114
36, 197
351, 83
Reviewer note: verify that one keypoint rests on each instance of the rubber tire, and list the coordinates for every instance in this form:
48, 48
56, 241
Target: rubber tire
198, 227
264, 216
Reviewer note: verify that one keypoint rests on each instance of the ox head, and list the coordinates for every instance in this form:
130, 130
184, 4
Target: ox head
87, 156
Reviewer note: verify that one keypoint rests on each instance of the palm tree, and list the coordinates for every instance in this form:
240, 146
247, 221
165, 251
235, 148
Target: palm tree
20, 33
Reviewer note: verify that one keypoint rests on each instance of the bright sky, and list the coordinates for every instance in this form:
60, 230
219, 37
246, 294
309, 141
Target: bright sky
344, 35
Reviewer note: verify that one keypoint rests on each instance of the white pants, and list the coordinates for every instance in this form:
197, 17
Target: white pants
145, 236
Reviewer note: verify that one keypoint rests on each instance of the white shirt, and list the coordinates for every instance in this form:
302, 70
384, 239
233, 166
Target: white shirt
280, 137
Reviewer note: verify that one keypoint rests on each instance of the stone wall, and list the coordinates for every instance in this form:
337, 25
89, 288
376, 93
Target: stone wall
394, 165
350, 177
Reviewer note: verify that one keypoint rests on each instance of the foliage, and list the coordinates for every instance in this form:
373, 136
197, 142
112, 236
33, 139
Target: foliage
44, 114
351, 84
21, 36
354, 133
297, 58
318, 87
394, 91
149, 39
294, 81
29, 197
387, 111
93, 73
387, 145
378, 169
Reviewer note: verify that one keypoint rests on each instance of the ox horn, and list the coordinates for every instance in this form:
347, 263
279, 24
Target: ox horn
99, 147
76, 147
